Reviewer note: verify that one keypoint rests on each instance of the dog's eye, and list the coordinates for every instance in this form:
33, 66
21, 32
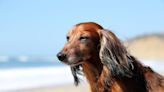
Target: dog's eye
67, 38
83, 38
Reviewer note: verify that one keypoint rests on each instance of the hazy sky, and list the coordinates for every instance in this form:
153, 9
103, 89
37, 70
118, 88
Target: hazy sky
38, 27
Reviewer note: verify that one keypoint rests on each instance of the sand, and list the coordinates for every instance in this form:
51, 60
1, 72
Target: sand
61, 88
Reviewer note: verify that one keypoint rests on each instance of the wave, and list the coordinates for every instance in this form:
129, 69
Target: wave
27, 78
24, 58
9, 62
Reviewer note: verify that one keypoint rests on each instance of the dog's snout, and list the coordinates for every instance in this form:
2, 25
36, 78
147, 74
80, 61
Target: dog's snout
61, 56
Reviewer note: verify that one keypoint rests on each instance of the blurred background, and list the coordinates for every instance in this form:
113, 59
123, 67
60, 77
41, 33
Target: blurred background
33, 31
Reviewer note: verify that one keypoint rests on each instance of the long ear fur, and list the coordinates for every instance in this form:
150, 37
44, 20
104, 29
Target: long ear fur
114, 55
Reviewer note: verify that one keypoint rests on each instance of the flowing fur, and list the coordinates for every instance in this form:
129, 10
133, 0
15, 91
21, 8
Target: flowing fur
114, 55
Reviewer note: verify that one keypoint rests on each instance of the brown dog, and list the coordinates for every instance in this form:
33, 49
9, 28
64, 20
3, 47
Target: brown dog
105, 62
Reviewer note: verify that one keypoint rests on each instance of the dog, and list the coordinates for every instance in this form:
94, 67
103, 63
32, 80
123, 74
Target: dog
107, 65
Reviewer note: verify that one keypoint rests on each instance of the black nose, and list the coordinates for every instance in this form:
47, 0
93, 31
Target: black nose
61, 56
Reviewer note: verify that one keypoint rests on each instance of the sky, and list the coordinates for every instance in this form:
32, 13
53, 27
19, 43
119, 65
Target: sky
38, 27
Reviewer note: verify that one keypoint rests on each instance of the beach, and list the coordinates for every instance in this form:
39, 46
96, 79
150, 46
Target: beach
61, 88
41, 79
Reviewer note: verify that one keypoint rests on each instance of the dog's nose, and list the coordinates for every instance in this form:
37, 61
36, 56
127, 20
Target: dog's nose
61, 56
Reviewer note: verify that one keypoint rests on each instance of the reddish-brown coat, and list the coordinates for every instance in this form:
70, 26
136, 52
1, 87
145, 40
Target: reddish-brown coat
97, 73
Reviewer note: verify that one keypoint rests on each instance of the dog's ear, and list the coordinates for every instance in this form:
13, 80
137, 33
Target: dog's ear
114, 55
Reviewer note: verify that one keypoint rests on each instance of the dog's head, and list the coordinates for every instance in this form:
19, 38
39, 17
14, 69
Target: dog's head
85, 41
82, 44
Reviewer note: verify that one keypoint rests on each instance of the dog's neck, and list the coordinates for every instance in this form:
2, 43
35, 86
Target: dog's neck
92, 69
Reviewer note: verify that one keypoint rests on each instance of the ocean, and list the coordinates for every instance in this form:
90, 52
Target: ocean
28, 64
27, 74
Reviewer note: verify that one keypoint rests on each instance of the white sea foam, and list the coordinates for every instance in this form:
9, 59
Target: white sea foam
23, 58
24, 78
156, 65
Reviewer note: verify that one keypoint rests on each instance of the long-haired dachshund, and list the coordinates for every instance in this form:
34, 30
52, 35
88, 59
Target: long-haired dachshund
105, 62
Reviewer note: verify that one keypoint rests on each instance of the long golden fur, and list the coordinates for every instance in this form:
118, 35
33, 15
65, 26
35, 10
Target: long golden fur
105, 62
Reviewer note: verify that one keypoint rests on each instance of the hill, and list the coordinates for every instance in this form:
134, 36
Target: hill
150, 46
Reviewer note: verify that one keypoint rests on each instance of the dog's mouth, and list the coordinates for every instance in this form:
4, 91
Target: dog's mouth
76, 64
72, 62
